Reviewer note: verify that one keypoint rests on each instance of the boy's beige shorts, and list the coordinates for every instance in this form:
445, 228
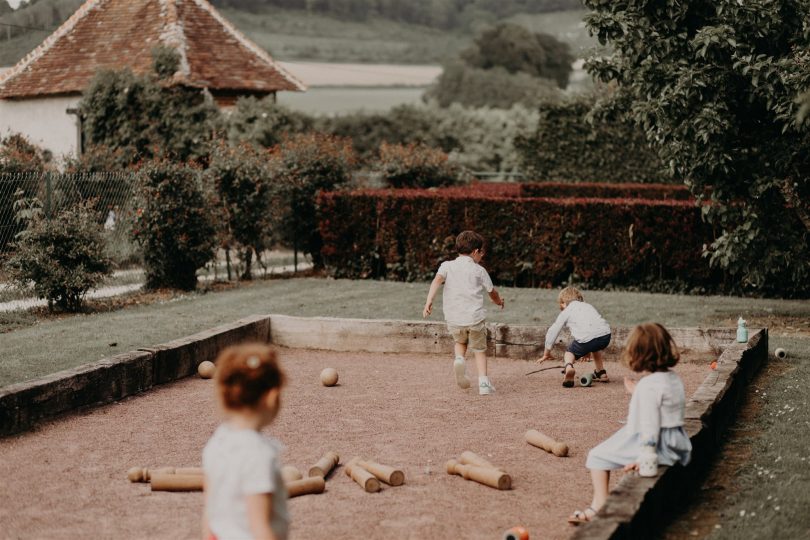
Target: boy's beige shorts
475, 336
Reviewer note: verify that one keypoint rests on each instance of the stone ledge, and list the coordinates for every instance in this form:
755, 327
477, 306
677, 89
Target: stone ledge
638, 506
24, 404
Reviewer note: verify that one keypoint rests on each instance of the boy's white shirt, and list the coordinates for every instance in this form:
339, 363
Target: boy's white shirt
464, 284
583, 321
238, 463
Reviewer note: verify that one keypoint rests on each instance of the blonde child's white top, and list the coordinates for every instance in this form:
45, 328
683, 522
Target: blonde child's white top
658, 402
583, 321
238, 463
464, 284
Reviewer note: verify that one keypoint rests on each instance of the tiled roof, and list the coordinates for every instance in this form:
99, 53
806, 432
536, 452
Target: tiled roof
121, 33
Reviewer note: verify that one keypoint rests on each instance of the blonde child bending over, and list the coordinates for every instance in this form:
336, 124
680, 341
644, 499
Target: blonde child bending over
245, 495
590, 332
465, 281
654, 421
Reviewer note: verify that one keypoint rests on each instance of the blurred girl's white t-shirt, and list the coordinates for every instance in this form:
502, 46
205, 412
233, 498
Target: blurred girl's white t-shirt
238, 463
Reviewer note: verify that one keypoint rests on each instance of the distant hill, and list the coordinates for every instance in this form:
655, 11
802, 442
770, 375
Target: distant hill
393, 33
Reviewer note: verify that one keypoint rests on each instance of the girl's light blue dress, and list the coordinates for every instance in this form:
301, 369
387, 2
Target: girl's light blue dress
656, 418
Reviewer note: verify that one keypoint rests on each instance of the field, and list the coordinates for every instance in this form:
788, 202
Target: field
333, 101
399, 409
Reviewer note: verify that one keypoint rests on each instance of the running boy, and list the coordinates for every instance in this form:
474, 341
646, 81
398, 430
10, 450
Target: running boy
465, 281
590, 332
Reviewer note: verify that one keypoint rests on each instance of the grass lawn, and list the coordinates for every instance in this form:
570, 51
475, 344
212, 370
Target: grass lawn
760, 487
52, 345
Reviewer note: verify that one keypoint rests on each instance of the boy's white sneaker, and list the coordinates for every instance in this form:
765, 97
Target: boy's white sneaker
485, 388
460, 369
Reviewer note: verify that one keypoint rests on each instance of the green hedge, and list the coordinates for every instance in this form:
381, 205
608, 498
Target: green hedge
568, 146
406, 234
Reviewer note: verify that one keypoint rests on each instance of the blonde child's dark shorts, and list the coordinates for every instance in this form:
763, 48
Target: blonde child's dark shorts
475, 336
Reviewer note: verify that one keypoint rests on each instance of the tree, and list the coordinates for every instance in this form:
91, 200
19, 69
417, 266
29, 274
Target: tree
495, 87
240, 178
517, 49
714, 87
264, 123
142, 116
174, 224
507, 64
300, 167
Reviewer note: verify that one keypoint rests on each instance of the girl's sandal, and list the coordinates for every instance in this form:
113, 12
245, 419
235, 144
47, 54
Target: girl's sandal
569, 381
582, 516
600, 375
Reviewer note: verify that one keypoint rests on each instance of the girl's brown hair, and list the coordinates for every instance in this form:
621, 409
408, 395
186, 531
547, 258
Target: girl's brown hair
245, 373
650, 348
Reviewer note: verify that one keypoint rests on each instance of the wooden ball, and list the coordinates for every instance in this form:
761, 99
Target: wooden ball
206, 369
329, 377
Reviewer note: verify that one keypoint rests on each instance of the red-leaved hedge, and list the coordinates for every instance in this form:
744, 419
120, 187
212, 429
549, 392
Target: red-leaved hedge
606, 191
406, 234
559, 190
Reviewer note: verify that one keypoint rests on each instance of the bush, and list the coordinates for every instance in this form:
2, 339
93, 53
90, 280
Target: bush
21, 168
18, 155
479, 139
496, 87
567, 146
416, 166
61, 257
302, 166
406, 234
141, 116
241, 179
173, 224
263, 122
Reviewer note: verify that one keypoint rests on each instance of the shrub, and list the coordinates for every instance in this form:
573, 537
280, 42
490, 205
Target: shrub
173, 224
479, 139
567, 146
241, 179
302, 166
496, 87
143, 116
263, 122
18, 155
61, 257
416, 165
21, 168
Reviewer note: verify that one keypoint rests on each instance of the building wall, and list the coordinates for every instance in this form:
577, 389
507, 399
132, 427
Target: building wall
44, 121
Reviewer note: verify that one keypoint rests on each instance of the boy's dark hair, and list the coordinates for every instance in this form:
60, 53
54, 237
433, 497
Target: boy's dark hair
469, 241
650, 348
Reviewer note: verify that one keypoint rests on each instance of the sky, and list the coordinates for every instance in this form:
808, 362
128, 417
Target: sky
14, 3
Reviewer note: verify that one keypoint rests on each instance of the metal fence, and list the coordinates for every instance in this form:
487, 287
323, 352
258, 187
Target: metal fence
110, 194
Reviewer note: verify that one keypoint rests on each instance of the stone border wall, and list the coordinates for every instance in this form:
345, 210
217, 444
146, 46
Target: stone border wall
635, 509
638, 506
22, 405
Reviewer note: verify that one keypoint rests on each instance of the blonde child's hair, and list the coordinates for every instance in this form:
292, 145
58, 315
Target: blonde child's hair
568, 295
650, 348
245, 373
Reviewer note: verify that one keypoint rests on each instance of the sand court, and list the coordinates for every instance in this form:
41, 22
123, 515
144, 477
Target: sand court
67, 478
